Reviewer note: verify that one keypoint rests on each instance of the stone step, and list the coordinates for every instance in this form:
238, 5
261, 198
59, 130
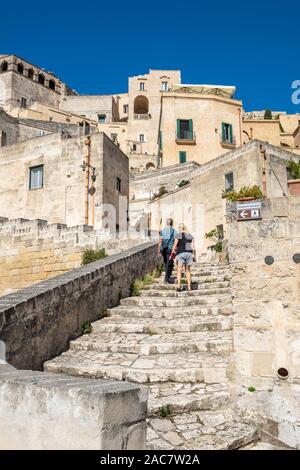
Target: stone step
180, 301
172, 313
199, 430
207, 272
157, 292
197, 286
182, 403
122, 324
196, 367
148, 345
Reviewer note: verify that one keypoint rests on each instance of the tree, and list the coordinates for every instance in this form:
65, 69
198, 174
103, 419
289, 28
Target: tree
268, 114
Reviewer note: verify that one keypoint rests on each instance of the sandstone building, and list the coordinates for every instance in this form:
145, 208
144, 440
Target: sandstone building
282, 130
65, 180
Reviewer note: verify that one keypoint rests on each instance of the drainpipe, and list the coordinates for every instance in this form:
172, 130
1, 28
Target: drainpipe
241, 125
87, 143
264, 176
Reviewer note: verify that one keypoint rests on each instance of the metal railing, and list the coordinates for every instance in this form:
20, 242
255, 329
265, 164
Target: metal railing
186, 135
141, 116
228, 140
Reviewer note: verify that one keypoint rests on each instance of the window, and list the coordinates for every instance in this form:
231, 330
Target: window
114, 137
164, 86
52, 84
41, 79
125, 108
3, 139
23, 103
30, 74
20, 69
101, 117
134, 147
229, 181
185, 129
182, 157
36, 177
142, 86
141, 105
87, 129
118, 184
142, 138
4, 67
227, 136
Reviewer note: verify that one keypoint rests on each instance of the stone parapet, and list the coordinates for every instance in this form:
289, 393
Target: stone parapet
43, 411
37, 323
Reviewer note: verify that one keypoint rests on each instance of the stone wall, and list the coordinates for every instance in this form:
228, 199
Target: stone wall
32, 250
267, 297
10, 127
144, 185
266, 300
246, 164
37, 323
43, 411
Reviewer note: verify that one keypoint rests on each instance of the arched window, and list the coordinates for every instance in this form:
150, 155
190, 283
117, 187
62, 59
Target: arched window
41, 79
141, 105
30, 73
52, 84
4, 67
20, 69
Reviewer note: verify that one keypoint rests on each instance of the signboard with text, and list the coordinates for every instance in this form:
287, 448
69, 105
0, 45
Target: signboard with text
248, 210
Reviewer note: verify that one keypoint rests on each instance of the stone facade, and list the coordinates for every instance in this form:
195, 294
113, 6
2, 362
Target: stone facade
32, 250
65, 195
266, 297
282, 130
20, 80
266, 300
203, 201
37, 323
42, 411
206, 111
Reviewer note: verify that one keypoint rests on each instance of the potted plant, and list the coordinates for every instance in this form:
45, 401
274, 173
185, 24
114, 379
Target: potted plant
294, 182
216, 237
246, 193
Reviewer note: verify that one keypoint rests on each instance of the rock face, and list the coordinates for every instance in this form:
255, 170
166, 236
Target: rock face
179, 345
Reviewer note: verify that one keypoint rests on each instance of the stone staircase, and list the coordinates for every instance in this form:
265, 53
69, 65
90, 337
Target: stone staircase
179, 345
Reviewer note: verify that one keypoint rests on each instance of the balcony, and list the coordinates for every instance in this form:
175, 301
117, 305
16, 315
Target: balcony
141, 116
185, 137
227, 142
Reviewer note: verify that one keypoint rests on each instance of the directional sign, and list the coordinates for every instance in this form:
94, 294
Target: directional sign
249, 210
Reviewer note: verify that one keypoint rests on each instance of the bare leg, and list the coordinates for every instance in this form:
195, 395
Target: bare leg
179, 271
188, 276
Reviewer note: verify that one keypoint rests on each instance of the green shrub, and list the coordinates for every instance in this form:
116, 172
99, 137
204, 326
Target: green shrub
295, 169
162, 190
166, 411
251, 389
183, 183
157, 271
215, 236
268, 114
136, 287
245, 191
89, 255
86, 327
148, 279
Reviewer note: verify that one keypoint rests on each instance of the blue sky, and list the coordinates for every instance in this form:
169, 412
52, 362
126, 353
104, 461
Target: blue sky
95, 45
